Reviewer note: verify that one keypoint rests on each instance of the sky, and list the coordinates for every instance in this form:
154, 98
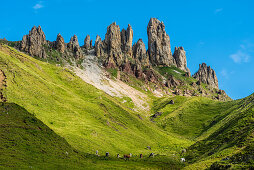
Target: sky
217, 32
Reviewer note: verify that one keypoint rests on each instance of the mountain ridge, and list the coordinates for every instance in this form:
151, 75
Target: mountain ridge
118, 53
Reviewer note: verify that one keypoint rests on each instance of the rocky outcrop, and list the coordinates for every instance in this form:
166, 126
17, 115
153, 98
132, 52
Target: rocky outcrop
112, 45
91, 43
74, 47
158, 44
140, 54
98, 45
87, 42
206, 75
180, 59
59, 44
126, 40
34, 42
172, 82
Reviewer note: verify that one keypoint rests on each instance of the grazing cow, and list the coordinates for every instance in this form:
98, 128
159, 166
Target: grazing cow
127, 157
151, 155
97, 152
118, 156
182, 159
141, 155
107, 154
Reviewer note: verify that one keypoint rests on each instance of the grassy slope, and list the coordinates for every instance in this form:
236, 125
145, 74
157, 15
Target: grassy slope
189, 117
230, 142
221, 129
90, 120
87, 118
27, 143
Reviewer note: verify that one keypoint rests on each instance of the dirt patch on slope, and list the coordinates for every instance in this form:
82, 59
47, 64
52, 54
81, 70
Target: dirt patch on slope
95, 75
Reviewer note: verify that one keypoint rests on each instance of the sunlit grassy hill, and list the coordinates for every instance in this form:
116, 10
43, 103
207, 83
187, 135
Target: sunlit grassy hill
86, 117
42, 96
223, 131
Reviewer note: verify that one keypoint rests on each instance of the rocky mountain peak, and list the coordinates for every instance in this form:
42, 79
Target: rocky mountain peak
159, 44
98, 46
73, 42
126, 39
180, 59
139, 52
112, 45
60, 45
87, 42
206, 75
33, 42
73, 46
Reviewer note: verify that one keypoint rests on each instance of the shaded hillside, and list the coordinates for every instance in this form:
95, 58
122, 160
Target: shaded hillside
26, 143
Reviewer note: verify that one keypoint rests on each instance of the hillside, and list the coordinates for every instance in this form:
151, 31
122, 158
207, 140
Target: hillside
27, 143
85, 116
230, 141
90, 119
223, 131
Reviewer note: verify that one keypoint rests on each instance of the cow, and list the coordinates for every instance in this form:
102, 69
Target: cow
182, 159
151, 155
118, 156
141, 155
127, 157
107, 154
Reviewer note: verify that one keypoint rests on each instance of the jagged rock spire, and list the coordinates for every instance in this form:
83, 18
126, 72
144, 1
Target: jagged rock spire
98, 46
139, 52
180, 59
127, 38
112, 44
73, 46
60, 45
33, 42
206, 75
159, 49
87, 42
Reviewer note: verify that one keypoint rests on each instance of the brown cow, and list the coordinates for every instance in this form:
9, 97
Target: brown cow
141, 155
127, 157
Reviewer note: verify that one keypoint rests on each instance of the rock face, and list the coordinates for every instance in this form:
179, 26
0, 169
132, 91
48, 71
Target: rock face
139, 53
59, 44
112, 44
126, 39
87, 42
99, 51
180, 59
206, 75
158, 44
73, 46
33, 43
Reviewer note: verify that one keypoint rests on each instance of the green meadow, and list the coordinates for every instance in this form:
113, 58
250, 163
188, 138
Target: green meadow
56, 120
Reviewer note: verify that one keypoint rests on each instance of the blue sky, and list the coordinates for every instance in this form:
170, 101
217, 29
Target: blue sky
217, 32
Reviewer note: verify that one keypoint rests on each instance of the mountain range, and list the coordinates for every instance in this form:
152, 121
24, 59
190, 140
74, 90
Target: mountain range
62, 104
